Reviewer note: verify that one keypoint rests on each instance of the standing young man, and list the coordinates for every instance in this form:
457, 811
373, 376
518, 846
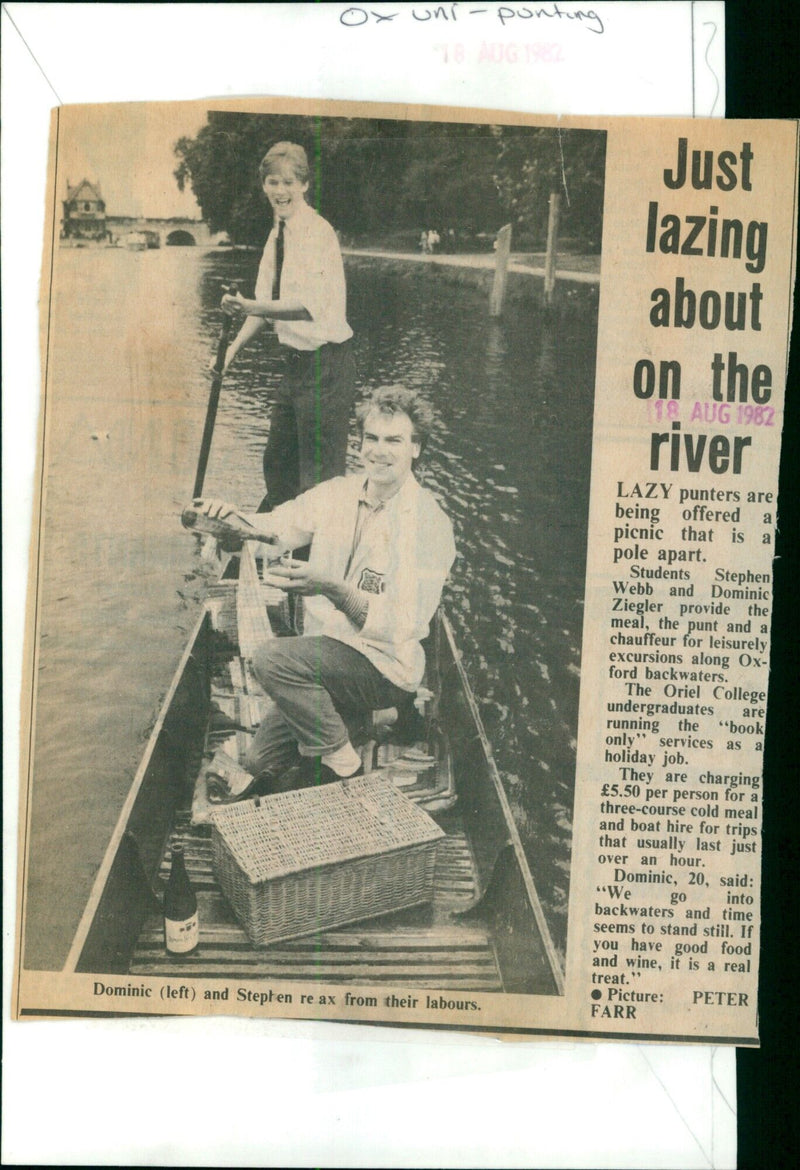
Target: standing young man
381, 549
301, 287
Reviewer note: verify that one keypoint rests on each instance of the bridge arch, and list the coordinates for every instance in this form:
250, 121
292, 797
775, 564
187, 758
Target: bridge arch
180, 238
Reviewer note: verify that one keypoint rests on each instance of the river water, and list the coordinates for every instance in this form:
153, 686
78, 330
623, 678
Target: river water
131, 334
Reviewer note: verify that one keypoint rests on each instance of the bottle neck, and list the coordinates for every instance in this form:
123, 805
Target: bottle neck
178, 868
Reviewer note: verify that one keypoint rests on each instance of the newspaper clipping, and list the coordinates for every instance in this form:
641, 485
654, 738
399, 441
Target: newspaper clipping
400, 595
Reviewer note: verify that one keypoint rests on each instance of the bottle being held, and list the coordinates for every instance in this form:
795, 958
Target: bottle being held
231, 530
181, 926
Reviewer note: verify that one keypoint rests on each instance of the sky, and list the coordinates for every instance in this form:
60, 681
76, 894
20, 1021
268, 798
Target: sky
127, 148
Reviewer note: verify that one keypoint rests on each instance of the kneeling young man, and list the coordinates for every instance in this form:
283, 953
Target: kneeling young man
381, 549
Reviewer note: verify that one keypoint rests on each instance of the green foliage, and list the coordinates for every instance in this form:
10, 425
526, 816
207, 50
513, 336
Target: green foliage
449, 180
374, 177
531, 164
355, 170
221, 165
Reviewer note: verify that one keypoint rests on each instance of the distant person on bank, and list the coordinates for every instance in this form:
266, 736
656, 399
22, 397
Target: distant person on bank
381, 549
301, 288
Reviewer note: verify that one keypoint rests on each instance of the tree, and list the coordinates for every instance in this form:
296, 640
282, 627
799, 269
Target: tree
367, 175
532, 163
221, 164
449, 180
382, 175
354, 165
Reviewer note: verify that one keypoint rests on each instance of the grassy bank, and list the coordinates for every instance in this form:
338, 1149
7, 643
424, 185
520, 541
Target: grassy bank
523, 288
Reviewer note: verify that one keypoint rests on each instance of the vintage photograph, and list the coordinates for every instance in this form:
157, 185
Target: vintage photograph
319, 398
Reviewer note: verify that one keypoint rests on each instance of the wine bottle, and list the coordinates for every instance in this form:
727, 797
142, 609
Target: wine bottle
235, 528
181, 927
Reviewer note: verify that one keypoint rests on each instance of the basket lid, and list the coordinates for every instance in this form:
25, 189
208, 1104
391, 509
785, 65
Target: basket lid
310, 827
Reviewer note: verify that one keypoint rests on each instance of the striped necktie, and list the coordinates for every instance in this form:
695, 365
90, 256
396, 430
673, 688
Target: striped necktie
276, 280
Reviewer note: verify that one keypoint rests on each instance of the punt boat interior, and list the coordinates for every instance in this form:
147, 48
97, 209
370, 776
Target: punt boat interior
484, 929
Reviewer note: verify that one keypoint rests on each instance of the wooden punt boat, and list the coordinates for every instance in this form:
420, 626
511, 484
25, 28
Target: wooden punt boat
484, 930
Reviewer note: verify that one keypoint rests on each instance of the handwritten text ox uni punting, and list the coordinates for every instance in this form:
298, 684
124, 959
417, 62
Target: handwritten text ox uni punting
586, 18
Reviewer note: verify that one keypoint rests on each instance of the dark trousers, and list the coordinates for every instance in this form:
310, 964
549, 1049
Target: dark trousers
310, 421
317, 686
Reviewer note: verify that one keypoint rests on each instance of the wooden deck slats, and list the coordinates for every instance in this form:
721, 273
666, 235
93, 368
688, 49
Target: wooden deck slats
239, 965
451, 963
471, 983
401, 939
401, 975
441, 959
431, 959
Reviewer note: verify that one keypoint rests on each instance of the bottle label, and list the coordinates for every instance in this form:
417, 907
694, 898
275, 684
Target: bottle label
182, 936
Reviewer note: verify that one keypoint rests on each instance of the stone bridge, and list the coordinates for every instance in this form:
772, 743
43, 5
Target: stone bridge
185, 232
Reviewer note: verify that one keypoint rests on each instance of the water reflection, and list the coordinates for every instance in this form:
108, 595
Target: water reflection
510, 462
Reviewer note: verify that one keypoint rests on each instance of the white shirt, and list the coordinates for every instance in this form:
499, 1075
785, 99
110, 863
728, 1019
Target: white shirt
312, 274
399, 565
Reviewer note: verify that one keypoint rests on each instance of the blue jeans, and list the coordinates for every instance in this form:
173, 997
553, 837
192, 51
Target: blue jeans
316, 684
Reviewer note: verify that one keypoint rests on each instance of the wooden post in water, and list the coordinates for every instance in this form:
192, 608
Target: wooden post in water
503, 249
552, 247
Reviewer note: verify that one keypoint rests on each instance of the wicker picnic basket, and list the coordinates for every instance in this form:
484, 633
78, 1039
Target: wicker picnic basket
306, 861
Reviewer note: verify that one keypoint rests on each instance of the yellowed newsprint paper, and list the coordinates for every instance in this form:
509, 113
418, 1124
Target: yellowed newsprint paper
557, 828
